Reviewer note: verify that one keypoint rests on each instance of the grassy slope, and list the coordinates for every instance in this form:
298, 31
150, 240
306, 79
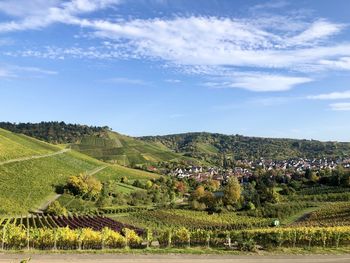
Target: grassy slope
14, 146
24, 185
124, 150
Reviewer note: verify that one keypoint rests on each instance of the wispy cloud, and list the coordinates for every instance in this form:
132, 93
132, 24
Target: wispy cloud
12, 71
259, 82
341, 106
294, 48
128, 81
36, 14
173, 81
331, 96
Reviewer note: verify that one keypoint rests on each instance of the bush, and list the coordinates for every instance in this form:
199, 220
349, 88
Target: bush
90, 239
164, 238
67, 238
181, 237
56, 209
132, 239
42, 238
112, 239
15, 237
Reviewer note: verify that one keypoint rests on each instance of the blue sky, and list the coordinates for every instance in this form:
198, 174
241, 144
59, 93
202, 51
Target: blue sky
145, 67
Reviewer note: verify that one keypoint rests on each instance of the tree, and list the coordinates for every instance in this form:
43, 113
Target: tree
232, 192
84, 185
55, 208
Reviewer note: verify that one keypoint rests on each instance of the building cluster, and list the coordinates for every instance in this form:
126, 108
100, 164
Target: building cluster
246, 168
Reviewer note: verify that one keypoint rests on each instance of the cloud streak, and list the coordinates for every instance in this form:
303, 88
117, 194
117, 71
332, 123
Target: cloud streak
341, 106
331, 96
273, 58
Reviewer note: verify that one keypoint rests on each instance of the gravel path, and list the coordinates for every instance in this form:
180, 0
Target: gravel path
109, 258
34, 157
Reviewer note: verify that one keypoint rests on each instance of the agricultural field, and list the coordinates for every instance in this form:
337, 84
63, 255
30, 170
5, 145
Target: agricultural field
332, 214
116, 148
13, 146
116, 172
164, 218
24, 185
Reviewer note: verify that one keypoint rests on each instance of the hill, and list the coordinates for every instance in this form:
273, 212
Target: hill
14, 146
114, 147
26, 183
213, 147
99, 142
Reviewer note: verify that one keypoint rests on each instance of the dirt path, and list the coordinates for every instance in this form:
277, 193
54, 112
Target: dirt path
34, 157
96, 170
120, 258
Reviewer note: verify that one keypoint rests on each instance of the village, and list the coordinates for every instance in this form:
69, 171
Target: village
245, 168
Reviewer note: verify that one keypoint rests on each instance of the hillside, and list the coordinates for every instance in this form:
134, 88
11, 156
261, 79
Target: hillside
116, 148
14, 146
213, 147
26, 184
99, 142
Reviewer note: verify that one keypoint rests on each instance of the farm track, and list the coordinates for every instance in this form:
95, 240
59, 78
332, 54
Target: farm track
22, 159
44, 206
97, 170
172, 258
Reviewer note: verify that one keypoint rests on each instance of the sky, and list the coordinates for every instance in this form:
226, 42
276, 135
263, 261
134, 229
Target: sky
152, 67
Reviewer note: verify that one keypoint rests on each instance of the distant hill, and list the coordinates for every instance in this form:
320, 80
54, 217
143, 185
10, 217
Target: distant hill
28, 182
114, 147
213, 147
99, 142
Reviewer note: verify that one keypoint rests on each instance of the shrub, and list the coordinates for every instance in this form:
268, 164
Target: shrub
67, 238
132, 239
90, 239
15, 237
181, 237
112, 239
55, 208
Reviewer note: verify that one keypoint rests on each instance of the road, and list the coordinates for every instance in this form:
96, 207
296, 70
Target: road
34, 157
128, 258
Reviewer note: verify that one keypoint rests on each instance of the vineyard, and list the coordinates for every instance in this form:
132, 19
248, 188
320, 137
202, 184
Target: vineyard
14, 146
97, 232
335, 214
161, 219
95, 222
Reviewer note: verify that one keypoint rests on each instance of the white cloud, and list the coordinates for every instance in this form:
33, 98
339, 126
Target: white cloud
331, 96
128, 81
317, 31
341, 106
42, 13
12, 71
173, 81
197, 44
260, 82
342, 63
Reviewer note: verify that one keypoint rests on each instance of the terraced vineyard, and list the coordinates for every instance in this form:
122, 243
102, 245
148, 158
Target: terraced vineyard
124, 150
335, 214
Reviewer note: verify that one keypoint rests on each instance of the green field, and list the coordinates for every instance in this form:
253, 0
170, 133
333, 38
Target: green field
14, 146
